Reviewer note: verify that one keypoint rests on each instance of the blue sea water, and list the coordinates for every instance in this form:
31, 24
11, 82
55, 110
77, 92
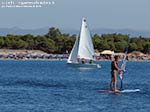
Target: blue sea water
53, 86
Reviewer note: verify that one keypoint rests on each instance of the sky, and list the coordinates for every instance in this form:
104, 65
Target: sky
115, 14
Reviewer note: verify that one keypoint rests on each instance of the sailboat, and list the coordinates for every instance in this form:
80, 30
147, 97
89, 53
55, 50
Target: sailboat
82, 54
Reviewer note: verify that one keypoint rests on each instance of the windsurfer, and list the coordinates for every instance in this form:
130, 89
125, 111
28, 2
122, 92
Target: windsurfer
114, 68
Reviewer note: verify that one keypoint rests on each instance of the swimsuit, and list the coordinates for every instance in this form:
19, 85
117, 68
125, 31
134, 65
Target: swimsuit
113, 69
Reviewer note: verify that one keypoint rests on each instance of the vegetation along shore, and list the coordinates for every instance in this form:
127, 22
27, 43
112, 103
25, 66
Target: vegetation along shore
55, 42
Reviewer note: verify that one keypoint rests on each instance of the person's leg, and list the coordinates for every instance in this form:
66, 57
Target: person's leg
111, 82
115, 82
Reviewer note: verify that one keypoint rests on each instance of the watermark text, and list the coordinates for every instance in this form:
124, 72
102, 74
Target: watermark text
26, 3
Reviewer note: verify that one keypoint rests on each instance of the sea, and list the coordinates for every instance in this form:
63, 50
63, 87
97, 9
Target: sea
54, 86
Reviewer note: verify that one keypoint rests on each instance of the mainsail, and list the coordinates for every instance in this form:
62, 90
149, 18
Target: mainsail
86, 49
83, 47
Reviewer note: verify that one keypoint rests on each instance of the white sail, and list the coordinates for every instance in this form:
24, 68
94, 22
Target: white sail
86, 49
73, 55
123, 66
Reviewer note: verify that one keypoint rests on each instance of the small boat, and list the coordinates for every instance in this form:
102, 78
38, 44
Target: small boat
82, 54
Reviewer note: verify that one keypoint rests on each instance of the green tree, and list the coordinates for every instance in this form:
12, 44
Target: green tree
120, 46
20, 44
96, 41
111, 45
147, 47
103, 45
53, 33
1, 42
30, 40
44, 44
132, 47
7, 43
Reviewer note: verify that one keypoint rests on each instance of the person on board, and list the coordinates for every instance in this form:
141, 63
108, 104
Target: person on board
114, 68
78, 60
83, 61
90, 62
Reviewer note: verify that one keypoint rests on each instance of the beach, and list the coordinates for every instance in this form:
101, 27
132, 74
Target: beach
9, 54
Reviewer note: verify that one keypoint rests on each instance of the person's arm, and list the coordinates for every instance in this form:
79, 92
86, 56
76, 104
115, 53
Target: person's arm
119, 69
116, 65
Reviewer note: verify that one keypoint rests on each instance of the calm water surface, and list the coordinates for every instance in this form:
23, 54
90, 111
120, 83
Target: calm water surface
53, 86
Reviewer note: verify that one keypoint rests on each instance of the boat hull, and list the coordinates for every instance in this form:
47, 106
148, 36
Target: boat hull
86, 65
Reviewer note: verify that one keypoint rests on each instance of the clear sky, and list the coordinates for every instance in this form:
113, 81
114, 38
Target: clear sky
117, 14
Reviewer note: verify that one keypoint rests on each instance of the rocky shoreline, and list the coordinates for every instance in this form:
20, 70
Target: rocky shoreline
6, 54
